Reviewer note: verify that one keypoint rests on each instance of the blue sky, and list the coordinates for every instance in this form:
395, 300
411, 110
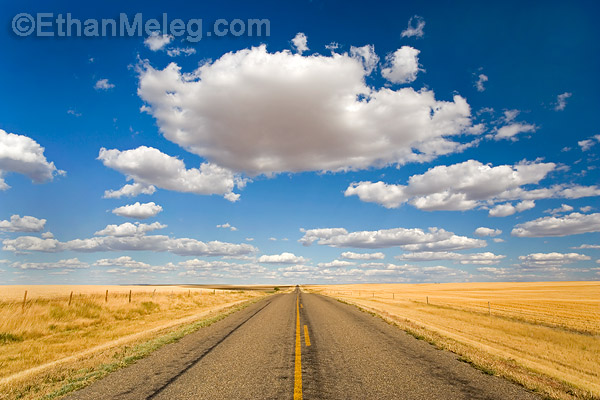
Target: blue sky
438, 142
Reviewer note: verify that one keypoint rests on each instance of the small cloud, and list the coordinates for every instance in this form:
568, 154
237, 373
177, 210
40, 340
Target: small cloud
249, 239
561, 101
511, 130
415, 27
156, 41
187, 51
588, 143
564, 208
103, 84
332, 46
273, 239
481, 79
483, 231
227, 225
300, 42
402, 66
506, 209
74, 113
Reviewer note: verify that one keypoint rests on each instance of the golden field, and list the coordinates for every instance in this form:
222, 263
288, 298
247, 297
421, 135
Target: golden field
45, 342
545, 335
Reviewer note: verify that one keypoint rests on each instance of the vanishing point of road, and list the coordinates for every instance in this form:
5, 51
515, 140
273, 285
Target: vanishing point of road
300, 345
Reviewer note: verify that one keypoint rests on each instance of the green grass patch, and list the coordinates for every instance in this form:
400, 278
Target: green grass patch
6, 338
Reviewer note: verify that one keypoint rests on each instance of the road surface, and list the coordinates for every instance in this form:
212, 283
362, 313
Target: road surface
299, 345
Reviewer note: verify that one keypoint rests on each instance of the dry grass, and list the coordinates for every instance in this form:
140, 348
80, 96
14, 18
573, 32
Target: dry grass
545, 336
50, 338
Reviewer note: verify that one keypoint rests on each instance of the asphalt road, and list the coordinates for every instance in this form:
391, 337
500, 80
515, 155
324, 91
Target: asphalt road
298, 345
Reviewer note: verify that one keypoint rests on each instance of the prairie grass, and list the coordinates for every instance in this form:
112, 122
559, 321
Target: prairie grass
46, 335
545, 336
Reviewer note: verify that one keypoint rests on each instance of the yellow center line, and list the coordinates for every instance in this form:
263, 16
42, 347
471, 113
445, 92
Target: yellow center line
298, 363
306, 338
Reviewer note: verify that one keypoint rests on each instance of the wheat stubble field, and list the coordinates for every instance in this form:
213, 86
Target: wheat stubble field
545, 336
55, 341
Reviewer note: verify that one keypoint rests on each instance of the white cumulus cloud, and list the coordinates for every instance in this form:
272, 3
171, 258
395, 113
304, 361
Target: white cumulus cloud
506, 209
23, 155
257, 112
22, 224
571, 224
511, 130
486, 258
150, 166
483, 231
300, 42
129, 229
227, 225
403, 65
468, 185
130, 190
71, 263
283, 258
349, 255
554, 259
138, 210
103, 84
336, 264
157, 41
414, 239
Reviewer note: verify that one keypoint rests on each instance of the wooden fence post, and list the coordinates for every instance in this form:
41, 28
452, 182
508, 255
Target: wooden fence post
130, 295
70, 298
489, 309
106, 296
24, 300
427, 299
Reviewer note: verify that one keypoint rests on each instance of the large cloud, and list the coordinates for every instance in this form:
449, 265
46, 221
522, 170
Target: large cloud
149, 166
261, 113
22, 224
409, 239
468, 185
571, 224
23, 155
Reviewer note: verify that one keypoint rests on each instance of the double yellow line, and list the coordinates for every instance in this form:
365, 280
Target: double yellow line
298, 361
